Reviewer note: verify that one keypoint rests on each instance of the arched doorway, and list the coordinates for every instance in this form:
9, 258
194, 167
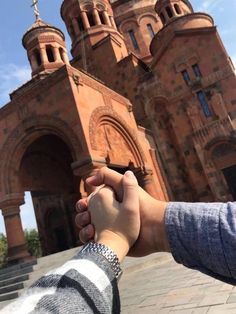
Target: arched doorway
224, 157
45, 170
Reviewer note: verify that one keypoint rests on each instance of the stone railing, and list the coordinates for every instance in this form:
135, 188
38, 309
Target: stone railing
218, 128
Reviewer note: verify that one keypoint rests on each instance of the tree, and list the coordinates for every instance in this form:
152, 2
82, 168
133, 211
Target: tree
33, 242
3, 250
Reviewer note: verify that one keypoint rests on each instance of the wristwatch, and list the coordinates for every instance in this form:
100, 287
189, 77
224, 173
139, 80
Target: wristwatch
107, 253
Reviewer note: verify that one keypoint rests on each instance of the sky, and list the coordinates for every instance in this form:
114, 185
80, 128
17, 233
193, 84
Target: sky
16, 16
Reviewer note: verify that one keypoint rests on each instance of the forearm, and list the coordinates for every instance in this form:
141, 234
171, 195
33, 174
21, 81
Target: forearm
203, 237
84, 284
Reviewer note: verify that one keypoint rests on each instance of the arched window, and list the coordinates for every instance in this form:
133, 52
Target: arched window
71, 31
204, 103
101, 17
163, 19
80, 23
50, 54
133, 39
61, 51
150, 30
37, 57
169, 12
177, 8
91, 19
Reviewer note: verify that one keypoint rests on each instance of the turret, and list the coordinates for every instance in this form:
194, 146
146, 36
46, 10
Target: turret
171, 9
45, 45
177, 17
87, 22
138, 22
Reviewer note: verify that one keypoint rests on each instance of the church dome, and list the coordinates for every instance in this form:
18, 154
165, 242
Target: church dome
46, 49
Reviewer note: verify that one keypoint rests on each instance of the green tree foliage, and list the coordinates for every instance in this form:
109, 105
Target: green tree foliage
33, 242
3, 250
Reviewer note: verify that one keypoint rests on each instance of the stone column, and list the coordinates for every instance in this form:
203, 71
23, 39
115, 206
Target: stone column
173, 10
44, 56
56, 54
145, 179
96, 17
113, 23
85, 19
75, 26
17, 248
165, 15
33, 62
106, 18
65, 57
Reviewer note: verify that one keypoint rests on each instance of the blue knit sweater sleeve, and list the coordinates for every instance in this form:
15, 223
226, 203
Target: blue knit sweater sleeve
202, 236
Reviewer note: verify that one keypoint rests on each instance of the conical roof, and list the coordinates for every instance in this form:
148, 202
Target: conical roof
40, 25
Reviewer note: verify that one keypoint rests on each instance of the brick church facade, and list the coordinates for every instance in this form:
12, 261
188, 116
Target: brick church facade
150, 88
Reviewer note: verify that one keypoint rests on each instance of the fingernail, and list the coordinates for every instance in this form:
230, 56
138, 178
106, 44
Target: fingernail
130, 174
88, 230
81, 206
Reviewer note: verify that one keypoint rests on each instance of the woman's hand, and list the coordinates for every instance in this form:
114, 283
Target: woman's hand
152, 237
117, 225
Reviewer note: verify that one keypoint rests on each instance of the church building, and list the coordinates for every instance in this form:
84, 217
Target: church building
150, 88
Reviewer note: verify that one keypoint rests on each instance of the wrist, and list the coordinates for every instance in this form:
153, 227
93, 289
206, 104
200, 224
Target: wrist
117, 244
159, 229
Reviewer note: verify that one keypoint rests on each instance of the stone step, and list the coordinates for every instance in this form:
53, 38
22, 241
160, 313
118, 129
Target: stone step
11, 288
13, 280
12, 268
16, 273
9, 296
4, 303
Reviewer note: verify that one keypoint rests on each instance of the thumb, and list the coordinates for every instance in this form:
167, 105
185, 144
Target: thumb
131, 195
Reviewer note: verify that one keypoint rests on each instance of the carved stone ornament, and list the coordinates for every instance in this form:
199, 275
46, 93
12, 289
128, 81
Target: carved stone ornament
118, 127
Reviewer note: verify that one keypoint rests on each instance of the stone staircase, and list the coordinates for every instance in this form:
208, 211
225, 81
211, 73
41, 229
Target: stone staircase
12, 281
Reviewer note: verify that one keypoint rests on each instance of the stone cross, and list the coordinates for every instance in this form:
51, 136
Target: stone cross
36, 10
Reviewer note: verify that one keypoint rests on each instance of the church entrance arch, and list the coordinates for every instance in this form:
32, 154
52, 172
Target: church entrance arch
37, 157
45, 171
224, 157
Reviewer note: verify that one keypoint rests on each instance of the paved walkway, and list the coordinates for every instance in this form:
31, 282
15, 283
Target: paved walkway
171, 288
157, 285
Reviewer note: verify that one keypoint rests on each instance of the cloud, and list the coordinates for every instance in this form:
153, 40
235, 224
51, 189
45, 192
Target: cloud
12, 76
210, 6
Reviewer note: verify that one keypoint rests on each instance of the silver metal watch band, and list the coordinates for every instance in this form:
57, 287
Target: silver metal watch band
105, 252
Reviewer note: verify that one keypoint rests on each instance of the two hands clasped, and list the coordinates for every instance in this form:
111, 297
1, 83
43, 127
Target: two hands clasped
122, 216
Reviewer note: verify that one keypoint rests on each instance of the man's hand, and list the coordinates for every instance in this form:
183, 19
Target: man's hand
117, 224
152, 237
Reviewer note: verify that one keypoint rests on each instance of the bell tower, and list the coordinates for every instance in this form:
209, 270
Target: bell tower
168, 10
138, 22
45, 45
88, 22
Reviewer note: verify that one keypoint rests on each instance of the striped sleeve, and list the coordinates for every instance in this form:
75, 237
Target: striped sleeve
85, 284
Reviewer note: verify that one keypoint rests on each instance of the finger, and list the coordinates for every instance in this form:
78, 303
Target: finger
97, 189
87, 234
131, 192
81, 205
104, 193
83, 219
110, 178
